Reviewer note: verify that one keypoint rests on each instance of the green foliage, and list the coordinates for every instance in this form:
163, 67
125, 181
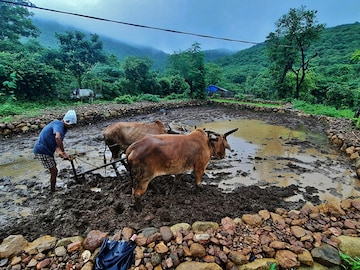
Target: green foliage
273, 266
25, 77
350, 262
174, 96
190, 66
129, 99
148, 97
124, 99
322, 109
288, 46
78, 53
15, 22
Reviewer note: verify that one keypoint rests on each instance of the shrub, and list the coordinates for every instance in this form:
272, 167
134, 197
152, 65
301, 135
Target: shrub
124, 99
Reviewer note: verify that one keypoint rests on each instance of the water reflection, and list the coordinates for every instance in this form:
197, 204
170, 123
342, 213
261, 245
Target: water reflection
267, 154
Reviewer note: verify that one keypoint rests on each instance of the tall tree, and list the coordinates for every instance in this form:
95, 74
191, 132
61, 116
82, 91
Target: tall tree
190, 65
79, 54
287, 47
138, 78
15, 22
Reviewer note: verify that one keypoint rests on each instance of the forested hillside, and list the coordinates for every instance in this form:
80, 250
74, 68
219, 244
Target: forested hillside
114, 46
247, 71
120, 49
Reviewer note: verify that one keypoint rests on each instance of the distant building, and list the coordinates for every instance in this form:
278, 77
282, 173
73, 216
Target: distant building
213, 89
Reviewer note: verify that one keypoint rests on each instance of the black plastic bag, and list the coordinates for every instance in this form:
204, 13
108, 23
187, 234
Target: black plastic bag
115, 255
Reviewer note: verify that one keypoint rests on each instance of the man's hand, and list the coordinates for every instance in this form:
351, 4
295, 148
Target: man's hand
64, 155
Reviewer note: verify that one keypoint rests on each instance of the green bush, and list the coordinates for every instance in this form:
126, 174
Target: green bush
124, 99
149, 97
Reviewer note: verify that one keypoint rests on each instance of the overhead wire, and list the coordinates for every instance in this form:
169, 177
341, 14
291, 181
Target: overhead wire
129, 24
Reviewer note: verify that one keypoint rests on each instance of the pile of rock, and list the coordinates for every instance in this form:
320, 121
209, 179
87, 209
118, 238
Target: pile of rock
310, 237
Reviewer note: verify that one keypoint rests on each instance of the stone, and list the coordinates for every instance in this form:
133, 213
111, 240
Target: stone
12, 245
127, 232
41, 244
94, 239
203, 226
349, 245
201, 237
228, 223
305, 258
252, 219
316, 266
197, 250
166, 234
297, 231
74, 246
161, 248
60, 251
258, 264
179, 227
265, 214
326, 255
237, 257
277, 219
68, 240
43, 264
198, 266
286, 259
278, 245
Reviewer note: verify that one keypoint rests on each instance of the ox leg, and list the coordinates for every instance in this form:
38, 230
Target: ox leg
115, 153
137, 192
176, 182
198, 177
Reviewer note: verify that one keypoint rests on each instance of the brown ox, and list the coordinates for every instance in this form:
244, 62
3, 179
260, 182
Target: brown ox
120, 135
166, 154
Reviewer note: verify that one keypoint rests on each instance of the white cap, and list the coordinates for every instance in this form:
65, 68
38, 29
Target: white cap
70, 118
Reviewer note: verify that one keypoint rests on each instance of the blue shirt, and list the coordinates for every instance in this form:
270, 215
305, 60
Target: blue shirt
46, 143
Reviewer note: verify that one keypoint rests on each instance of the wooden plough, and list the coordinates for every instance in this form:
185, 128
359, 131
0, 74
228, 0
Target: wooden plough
94, 169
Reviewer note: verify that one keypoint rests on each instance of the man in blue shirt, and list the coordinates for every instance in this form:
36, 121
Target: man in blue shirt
50, 141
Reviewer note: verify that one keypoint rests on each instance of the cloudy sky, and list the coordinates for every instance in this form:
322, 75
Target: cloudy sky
242, 20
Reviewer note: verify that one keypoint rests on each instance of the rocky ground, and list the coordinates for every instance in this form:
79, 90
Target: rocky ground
77, 210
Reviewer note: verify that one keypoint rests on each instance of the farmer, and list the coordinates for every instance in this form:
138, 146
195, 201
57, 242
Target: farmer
50, 141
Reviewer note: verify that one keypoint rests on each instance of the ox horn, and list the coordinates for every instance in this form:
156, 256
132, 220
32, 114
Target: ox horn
231, 131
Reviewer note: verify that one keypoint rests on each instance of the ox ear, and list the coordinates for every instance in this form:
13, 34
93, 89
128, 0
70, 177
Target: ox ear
229, 132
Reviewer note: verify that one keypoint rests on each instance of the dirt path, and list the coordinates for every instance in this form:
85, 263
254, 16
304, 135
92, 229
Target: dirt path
102, 203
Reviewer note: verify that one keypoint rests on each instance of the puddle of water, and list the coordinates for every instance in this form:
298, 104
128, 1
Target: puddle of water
266, 154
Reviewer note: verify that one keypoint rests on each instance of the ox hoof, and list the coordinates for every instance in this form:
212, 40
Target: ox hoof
136, 206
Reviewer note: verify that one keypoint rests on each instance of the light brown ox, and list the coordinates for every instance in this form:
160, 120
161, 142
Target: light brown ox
167, 154
119, 136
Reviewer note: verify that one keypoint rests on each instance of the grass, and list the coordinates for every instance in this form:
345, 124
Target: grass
351, 263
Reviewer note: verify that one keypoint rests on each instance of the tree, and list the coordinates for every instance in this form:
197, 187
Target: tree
138, 78
190, 65
14, 22
287, 47
356, 56
78, 54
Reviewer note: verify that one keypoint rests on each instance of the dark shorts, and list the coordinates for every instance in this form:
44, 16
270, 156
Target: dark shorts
47, 161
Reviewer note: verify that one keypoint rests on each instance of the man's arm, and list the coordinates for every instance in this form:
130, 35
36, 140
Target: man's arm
60, 149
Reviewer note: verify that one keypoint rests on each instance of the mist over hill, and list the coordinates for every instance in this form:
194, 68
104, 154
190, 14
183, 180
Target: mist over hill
113, 46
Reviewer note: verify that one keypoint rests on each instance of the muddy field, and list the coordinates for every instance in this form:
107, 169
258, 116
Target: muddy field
103, 203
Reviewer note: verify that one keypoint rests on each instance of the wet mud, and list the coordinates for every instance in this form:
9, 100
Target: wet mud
101, 201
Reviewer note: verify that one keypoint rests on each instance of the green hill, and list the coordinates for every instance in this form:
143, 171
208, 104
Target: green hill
118, 48
244, 69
